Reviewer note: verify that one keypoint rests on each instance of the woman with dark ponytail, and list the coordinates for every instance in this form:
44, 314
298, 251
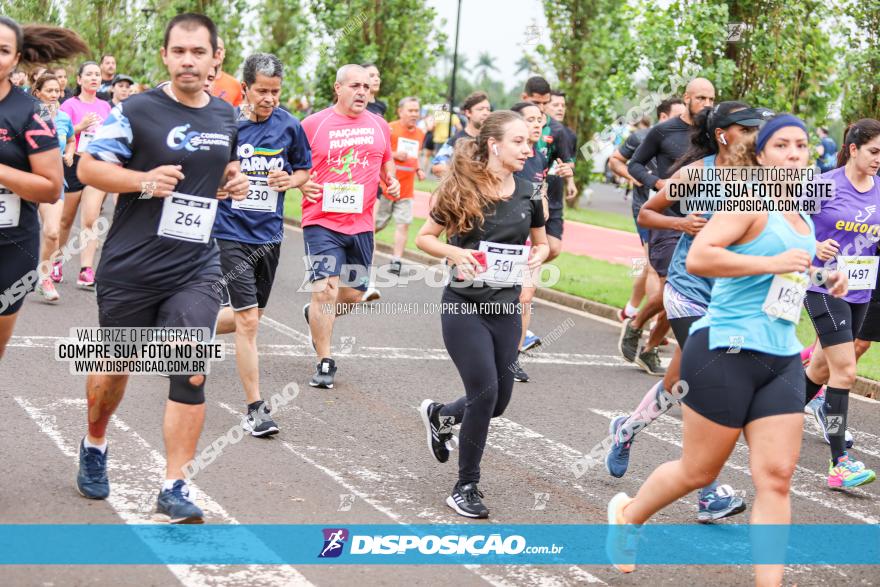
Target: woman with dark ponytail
847, 231
30, 161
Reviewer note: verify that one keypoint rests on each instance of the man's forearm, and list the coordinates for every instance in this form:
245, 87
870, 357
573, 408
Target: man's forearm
108, 177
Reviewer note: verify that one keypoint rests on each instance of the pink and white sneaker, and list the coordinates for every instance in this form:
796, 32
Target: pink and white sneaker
86, 278
47, 289
56, 274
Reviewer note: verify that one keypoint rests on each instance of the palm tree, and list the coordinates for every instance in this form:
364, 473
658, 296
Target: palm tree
485, 63
526, 64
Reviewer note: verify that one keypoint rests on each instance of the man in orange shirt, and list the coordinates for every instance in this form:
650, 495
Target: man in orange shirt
406, 142
226, 87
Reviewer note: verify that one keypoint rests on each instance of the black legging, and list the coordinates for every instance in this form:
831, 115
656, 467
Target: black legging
484, 349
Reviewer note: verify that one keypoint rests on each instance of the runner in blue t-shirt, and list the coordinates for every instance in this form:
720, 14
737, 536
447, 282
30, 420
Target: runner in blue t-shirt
275, 155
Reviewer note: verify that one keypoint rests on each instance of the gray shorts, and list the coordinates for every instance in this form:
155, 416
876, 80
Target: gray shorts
401, 210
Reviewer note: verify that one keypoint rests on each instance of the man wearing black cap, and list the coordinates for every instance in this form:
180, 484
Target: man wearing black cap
664, 143
121, 89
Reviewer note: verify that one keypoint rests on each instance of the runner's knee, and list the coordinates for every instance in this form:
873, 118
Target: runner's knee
187, 389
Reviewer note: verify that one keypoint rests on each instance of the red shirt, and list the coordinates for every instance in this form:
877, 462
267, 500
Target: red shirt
346, 150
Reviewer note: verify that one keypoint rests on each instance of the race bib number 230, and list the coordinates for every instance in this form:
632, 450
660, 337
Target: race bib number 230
187, 218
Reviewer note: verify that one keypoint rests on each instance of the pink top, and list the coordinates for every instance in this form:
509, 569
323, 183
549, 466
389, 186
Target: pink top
346, 150
77, 110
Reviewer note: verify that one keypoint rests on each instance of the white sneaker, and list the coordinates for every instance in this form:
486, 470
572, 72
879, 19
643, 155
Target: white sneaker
371, 295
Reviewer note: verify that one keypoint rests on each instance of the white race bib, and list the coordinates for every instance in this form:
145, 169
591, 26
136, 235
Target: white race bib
505, 263
85, 137
408, 146
10, 208
346, 198
260, 198
786, 296
187, 218
861, 271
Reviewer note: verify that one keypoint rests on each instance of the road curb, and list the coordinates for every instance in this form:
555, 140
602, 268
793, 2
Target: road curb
863, 386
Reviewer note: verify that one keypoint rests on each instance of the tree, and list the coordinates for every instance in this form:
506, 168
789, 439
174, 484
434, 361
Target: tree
399, 37
28, 11
862, 57
279, 27
485, 64
526, 65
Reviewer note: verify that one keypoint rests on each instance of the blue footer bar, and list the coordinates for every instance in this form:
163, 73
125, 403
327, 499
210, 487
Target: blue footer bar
51, 544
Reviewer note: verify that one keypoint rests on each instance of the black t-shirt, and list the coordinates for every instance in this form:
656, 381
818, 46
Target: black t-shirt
534, 169
144, 132
378, 107
509, 222
23, 133
628, 149
458, 135
665, 143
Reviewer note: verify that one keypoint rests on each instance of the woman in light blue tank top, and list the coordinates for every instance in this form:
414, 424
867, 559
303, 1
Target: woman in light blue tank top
741, 362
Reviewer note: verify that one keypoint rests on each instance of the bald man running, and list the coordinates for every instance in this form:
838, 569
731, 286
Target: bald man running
665, 142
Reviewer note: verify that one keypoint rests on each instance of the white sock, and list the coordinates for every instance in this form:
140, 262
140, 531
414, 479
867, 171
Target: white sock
100, 447
630, 310
169, 483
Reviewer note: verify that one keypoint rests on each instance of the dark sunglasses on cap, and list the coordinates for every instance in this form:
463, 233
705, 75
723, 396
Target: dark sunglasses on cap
746, 117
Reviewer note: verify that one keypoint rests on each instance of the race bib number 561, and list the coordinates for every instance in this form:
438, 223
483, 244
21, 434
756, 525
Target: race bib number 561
187, 218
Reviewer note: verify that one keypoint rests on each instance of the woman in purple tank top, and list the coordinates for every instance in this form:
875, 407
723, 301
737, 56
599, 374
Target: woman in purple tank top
847, 232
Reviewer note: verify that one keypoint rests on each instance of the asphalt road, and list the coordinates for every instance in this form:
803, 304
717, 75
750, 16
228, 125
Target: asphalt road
356, 454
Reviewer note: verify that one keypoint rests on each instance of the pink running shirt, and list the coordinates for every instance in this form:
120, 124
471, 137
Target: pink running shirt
346, 149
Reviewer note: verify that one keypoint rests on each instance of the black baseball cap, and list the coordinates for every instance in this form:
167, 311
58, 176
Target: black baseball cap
122, 78
745, 117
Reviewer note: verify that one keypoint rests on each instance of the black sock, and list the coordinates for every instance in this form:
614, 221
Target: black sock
836, 407
812, 389
255, 405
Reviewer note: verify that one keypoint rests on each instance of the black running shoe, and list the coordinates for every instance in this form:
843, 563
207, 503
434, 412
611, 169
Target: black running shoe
628, 344
518, 373
324, 373
465, 500
259, 423
395, 268
438, 428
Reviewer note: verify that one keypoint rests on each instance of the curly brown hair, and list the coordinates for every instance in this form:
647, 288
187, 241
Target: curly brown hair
470, 187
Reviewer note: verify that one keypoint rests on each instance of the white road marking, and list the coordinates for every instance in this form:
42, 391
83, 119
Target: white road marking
371, 486
135, 469
803, 483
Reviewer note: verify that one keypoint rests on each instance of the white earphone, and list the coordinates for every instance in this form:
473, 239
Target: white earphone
495, 150
723, 139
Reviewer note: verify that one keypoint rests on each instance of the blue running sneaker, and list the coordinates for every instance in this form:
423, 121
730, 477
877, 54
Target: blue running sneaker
617, 459
175, 507
817, 408
530, 341
91, 479
719, 501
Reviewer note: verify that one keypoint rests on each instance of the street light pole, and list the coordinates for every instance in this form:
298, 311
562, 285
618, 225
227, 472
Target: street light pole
454, 68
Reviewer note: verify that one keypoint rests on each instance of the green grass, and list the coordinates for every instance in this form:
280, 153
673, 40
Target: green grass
594, 279
613, 220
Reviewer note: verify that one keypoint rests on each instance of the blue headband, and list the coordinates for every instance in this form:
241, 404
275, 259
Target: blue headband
774, 124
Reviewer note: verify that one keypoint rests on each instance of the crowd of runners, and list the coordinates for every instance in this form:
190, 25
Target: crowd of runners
198, 166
